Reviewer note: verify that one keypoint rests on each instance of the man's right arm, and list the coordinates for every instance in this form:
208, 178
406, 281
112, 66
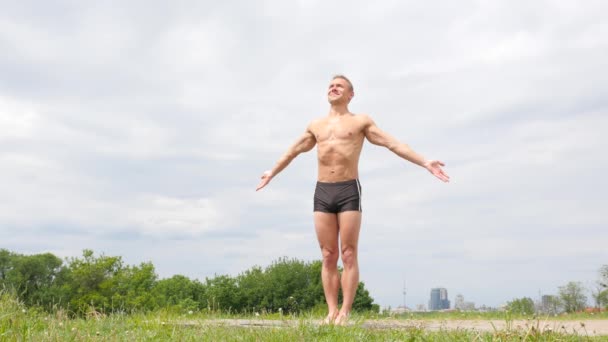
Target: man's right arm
304, 144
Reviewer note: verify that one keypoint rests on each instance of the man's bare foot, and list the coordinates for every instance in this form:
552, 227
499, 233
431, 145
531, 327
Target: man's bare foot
341, 319
330, 318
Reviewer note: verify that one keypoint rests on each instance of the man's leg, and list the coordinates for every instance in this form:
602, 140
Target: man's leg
350, 225
326, 225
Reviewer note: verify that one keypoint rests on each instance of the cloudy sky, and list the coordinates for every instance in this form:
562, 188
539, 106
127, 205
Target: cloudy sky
141, 128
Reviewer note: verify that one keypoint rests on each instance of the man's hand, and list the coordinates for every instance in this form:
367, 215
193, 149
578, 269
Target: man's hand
266, 177
434, 167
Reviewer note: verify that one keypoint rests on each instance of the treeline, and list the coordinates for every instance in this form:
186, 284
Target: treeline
104, 284
570, 298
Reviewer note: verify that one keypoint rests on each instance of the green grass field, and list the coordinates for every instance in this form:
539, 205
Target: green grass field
18, 323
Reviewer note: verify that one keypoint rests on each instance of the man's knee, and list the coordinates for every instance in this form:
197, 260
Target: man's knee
330, 256
349, 256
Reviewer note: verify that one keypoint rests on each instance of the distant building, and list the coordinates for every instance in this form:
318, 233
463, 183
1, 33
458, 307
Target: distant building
439, 299
460, 304
550, 304
399, 310
546, 301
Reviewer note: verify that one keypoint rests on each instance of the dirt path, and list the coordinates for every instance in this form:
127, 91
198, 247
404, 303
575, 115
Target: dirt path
584, 328
591, 327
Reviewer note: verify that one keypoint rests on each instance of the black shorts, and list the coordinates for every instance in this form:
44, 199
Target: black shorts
338, 197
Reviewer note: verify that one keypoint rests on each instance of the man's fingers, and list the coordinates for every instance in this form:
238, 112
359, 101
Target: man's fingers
264, 180
441, 175
438, 172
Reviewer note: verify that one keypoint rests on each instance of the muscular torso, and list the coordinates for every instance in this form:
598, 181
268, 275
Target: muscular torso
339, 143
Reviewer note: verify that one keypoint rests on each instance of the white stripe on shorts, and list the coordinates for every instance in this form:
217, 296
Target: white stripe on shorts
359, 190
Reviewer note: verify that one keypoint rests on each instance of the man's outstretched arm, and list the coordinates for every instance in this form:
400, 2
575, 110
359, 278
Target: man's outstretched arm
378, 137
304, 144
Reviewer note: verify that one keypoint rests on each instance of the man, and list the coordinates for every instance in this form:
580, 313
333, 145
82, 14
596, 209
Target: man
337, 201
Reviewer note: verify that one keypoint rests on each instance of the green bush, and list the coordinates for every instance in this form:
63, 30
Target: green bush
99, 284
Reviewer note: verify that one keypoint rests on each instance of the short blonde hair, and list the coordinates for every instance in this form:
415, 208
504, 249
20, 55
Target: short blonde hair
346, 79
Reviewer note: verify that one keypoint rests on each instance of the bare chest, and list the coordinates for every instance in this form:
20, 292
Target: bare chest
338, 131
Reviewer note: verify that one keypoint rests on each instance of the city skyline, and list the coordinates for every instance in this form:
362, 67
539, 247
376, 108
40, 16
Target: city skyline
543, 301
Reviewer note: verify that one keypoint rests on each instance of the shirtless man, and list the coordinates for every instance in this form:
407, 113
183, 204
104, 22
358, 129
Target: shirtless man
337, 201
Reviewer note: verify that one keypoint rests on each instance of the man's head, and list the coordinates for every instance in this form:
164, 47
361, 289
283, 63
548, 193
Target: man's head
340, 90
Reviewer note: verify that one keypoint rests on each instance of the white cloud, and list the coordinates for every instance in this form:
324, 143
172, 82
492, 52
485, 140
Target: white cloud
16, 120
124, 126
160, 215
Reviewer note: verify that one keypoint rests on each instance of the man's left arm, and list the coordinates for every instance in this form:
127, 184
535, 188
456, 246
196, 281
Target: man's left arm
378, 137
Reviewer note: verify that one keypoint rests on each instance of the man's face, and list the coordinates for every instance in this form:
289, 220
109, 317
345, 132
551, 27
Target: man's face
339, 92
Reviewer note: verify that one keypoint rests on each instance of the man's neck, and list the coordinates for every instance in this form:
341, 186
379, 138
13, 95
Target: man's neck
338, 110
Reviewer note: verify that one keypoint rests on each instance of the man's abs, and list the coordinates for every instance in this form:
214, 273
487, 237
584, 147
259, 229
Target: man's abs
338, 161
336, 173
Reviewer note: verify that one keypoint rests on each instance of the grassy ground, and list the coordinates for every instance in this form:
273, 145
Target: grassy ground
18, 323
154, 328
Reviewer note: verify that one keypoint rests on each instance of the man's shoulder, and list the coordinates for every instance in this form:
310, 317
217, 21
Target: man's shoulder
314, 124
360, 115
363, 117
316, 121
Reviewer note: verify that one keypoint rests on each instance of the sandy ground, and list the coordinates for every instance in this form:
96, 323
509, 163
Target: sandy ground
584, 328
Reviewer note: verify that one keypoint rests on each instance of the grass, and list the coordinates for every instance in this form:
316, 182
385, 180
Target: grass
19, 323
151, 327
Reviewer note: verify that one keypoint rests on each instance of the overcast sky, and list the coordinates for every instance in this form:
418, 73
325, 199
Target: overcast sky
140, 129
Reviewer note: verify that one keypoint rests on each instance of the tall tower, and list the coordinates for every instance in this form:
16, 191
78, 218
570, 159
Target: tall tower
439, 299
434, 301
404, 292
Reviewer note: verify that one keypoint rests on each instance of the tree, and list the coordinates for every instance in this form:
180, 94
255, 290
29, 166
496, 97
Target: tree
600, 296
524, 306
363, 301
604, 276
6, 258
133, 287
313, 293
92, 281
573, 297
222, 294
254, 289
180, 292
551, 304
32, 277
288, 281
